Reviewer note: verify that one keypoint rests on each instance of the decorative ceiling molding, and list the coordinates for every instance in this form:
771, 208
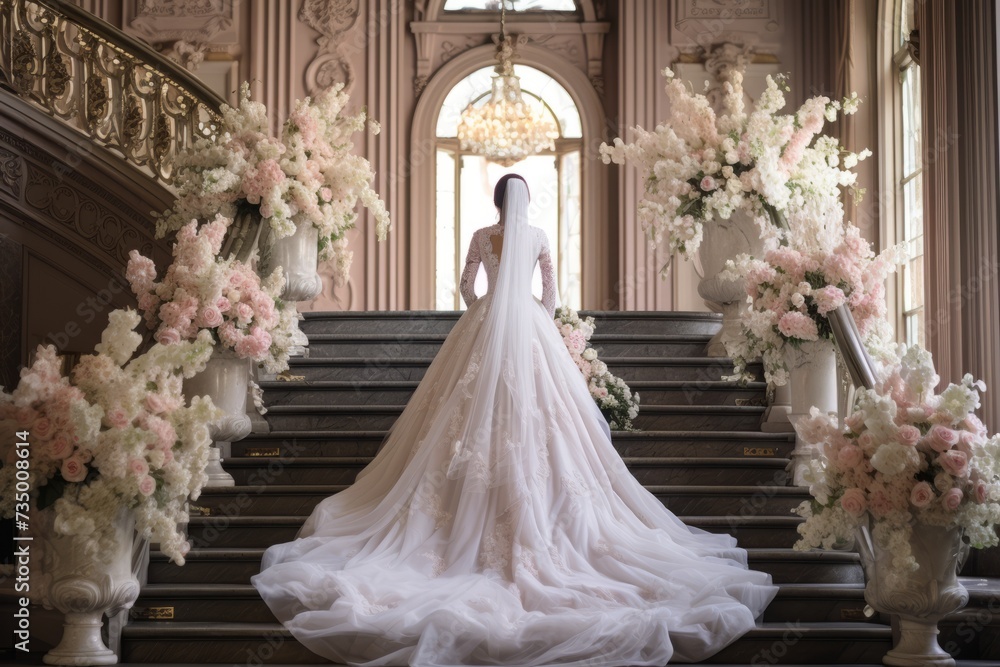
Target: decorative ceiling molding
331, 19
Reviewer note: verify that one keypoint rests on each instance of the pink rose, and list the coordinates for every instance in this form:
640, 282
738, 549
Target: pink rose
866, 440
138, 467
856, 422
850, 457
223, 304
941, 438
951, 499
168, 336
60, 448
42, 428
982, 492
967, 441
708, 184
73, 469
116, 418
954, 462
853, 501
210, 317
147, 485
922, 494
908, 435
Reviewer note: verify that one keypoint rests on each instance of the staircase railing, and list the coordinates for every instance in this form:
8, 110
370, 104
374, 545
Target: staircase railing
114, 89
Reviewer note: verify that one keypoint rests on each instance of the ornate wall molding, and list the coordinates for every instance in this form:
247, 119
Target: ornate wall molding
578, 42
331, 19
185, 30
698, 25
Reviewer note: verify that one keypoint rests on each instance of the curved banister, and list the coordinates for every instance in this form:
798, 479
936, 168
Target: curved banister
113, 88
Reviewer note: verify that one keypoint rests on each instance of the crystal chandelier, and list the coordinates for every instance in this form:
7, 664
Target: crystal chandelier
506, 129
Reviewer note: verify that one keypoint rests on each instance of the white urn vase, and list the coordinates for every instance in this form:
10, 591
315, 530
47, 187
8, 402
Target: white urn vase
921, 598
812, 382
723, 240
298, 257
225, 380
83, 587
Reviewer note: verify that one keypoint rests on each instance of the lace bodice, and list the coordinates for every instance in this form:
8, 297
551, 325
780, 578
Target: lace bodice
481, 252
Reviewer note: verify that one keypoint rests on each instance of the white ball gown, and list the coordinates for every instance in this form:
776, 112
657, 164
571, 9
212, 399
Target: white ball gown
498, 525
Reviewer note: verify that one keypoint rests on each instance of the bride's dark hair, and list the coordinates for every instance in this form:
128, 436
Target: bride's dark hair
501, 189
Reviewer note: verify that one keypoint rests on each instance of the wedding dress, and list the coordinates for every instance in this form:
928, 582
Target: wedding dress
498, 525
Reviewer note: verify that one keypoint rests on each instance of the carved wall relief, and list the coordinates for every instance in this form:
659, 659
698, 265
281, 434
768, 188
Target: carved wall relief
331, 19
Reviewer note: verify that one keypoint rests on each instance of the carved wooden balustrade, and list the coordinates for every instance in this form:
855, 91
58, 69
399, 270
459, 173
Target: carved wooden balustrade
118, 91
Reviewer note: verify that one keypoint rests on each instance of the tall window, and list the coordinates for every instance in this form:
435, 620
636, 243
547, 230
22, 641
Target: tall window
909, 193
465, 186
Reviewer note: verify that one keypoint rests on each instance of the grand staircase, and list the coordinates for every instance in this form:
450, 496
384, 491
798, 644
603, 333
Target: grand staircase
699, 450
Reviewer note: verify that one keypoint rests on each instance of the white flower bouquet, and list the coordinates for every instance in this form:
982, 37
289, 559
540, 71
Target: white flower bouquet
307, 176
699, 166
793, 287
116, 434
615, 399
201, 291
905, 455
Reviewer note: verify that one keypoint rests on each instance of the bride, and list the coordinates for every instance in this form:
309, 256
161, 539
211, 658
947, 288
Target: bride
498, 525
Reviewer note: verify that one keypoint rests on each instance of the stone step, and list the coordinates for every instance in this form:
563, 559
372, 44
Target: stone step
236, 566
436, 321
205, 602
266, 498
983, 563
732, 444
399, 392
382, 417
249, 471
236, 531
427, 345
697, 369
269, 643
752, 531
813, 644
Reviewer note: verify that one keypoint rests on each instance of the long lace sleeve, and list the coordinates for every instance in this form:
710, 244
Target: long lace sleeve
472, 261
548, 277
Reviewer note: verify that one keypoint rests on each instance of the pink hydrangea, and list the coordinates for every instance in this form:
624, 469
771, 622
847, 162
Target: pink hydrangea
799, 326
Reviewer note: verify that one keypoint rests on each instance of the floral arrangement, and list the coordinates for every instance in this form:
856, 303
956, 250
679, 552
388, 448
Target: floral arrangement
793, 287
617, 402
906, 455
699, 166
224, 296
307, 176
115, 435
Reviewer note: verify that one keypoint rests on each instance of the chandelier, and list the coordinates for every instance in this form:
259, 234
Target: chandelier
505, 129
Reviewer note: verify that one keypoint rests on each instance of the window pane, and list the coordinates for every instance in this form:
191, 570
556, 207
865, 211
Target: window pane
516, 5
446, 251
915, 329
912, 132
570, 247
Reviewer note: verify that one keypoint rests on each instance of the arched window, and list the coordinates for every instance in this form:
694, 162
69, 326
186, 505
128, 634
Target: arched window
464, 185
